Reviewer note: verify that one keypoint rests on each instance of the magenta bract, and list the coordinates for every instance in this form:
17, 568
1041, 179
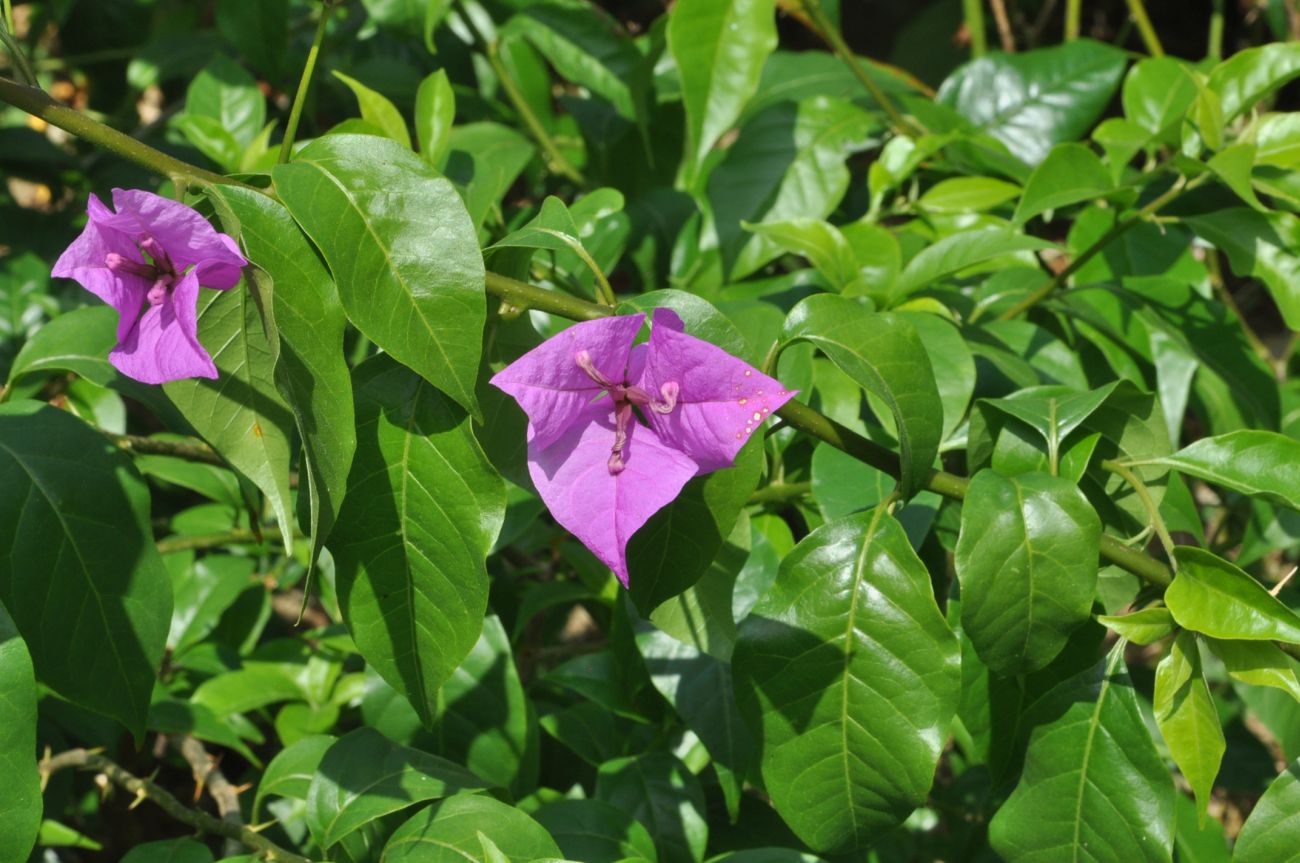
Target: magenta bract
148, 260
600, 470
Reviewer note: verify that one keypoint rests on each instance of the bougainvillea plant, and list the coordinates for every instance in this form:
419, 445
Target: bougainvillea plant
743, 431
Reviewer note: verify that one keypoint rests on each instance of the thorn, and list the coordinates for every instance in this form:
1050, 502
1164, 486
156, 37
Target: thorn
140, 797
1277, 588
258, 828
240, 789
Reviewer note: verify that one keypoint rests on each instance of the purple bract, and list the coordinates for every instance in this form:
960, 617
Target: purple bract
148, 260
603, 473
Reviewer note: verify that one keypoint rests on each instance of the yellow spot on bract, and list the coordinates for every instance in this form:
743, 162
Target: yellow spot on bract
766, 410
742, 401
758, 417
739, 435
748, 373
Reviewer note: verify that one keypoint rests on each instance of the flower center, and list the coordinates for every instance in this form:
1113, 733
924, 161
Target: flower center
625, 397
162, 272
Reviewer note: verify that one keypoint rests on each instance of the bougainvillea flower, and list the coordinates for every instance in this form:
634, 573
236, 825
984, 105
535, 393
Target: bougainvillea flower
603, 472
147, 260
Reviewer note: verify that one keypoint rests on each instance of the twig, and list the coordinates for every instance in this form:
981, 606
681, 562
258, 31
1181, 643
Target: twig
145, 789
208, 775
1277, 588
199, 452
1138, 12
239, 536
780, 492
304, 84
1004, 25
1073, 13
973, 15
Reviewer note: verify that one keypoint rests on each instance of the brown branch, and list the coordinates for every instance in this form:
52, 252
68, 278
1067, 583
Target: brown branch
1004, 25
145, 789
199, 452
208, 775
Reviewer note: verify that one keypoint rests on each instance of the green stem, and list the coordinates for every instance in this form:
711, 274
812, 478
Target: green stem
1117, 230
39, 104
1138, 12
304, 84
780, 492
196, 452
51, 64
1220, 288
1214, 48
1073, 15
10, 42
973, 10
1157, 521
238, 536
558, 161
830, 34
527, 296
9, 15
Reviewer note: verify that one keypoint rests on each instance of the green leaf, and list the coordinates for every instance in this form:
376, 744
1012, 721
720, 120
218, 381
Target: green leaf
1252, 74
596, 832
787, 163
1158, 91
589, 47
364, 776
884, 354
435, 111
448, 832
1258, 663
719, 47
211, 138
1259, 245
967, 195
1071, 173
378, 110
1233, 166
484, 159
423, 508
226, 93
1052, 411
261, 30
1213, 597
202, 592
402, 251
659, 791
1258, 463
698, 686
484, 721
1277, 140
818, 241
1026, 558
1272, 832
1187, 719
175, 717
1093, 785
291, 771
181, 850
1142, 627
848, 675
76, 512
241, 413
20, 794
310, 370
1035, 99
957, 252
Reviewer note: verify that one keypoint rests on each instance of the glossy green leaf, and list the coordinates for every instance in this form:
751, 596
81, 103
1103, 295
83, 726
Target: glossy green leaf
596, 832
1213, 597
364, 776
378, 110
884, 354
698, 686
1272, 832
1258, 663
448, 832
1233, 166
589, 47
1277, 140
483, 722
820, 242
310, 370
1032, 100
967, 195
1259, 245
202, 591
848, 676
1093, 786
76, 512
1071, 173
1252, 74
957, 252
261, 30
435, 111
787, 163
1187, 718
20, 794
719, 47
484, 159
211, 139
402, 251
224, 92
657, 790
183, 850
1157, 94
291, 771
423, 508
1052, 411
241, 413
1259, 463
1026, 558
1141, 627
